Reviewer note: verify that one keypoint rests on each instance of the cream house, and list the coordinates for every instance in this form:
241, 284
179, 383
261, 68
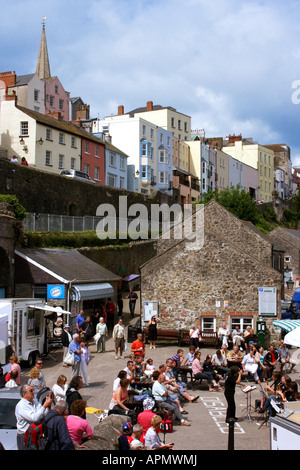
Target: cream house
47, 143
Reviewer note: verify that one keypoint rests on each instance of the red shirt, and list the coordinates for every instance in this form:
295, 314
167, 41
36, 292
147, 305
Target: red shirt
137, 345
144, 418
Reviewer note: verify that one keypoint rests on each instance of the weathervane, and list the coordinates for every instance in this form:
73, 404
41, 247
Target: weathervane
43, 23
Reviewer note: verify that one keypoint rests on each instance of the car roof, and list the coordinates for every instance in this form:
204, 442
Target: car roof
10, 393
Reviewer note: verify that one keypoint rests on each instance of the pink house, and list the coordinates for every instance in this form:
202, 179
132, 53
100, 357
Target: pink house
57, 99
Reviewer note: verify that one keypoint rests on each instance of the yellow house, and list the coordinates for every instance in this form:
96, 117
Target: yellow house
256, 156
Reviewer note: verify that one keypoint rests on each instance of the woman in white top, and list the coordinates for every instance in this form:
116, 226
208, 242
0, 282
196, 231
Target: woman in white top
249, 364
59, 389
152, 439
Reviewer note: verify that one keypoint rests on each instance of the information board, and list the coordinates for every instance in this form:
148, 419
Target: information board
150, 309
267, 301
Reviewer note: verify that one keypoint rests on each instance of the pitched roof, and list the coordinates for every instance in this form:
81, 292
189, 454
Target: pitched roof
69, 265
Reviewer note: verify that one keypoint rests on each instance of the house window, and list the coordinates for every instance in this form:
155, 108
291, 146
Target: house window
152, 134
164, 177
60, 161
96, 151
122, 182
112, 180
73, 142
73, 163
241, 322
56, 89
86, 147
36, 95
122, 163
51, 100
144, 130
112, 160
172, 122
61, 138
24, 128
48, 160
61, 105
208, 323
86, 168
48, 134
96, 172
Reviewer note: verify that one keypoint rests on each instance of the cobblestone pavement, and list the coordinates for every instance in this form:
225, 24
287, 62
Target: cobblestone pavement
208, 430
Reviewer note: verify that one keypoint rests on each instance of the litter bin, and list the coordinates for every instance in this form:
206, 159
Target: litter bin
133, 331
261, 331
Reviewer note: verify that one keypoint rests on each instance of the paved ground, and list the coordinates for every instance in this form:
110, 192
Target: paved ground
208, 430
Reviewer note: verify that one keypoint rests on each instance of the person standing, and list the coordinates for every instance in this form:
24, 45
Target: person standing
138, 347
152, 331
15, 365
110, 309
119, 338
120, 303
28, 410
79, 320
231, 380
132, 301
101, 330
194, 335
84, 362
65, 339
86, 331
75, 349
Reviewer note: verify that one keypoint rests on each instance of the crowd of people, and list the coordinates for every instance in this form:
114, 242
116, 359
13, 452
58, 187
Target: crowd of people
148, 394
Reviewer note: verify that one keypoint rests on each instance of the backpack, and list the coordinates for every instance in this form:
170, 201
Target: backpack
35, 438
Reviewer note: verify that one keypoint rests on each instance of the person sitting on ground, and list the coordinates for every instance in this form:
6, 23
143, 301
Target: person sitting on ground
60, 388
237, 338
271, 359
284, 356
189, 357
249, 364
251, 339
125, 438
120, 396
208, 367
219, 362
144, 418
136, 443
72, 393
160, 394
199, 373
79, 428
236, 356
152, 440
180, 386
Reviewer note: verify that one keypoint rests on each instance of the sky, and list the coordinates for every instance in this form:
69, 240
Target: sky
233, 66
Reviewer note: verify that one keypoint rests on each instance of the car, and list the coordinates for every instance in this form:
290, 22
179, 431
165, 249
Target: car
77, 175
9, 397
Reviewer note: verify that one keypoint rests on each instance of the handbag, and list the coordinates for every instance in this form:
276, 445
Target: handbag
69, 359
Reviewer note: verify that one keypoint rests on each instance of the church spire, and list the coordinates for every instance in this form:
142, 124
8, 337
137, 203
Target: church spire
43, 66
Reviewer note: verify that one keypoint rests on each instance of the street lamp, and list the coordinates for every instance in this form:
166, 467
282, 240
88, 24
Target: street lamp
290, 284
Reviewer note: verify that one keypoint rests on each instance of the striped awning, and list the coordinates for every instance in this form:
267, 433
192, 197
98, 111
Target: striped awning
287, 325
91, 291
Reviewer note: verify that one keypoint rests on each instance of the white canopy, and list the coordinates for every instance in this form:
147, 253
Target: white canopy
293, 338
47, 308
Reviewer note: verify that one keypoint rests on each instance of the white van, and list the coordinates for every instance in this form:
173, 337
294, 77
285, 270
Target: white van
77, 175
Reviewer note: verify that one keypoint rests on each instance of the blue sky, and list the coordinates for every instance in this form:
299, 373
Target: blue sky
229, 64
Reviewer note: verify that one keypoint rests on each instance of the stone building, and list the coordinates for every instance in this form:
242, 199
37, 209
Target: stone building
289, 241
216, 283
8, 239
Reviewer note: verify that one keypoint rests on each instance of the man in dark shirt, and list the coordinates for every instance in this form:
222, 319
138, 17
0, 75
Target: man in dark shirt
132, 301
57, 431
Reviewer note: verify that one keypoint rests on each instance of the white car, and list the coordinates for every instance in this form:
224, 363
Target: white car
77, 175
8, 422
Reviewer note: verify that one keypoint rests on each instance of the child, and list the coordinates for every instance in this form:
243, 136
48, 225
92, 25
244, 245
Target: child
84, 362
149, 365
125, 438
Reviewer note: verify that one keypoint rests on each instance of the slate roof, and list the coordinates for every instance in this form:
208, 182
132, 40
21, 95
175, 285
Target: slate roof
68, 264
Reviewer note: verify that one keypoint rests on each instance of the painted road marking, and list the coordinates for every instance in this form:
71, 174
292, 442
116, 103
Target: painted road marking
217, 410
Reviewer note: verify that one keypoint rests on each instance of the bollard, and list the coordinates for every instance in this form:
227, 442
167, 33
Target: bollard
231, 422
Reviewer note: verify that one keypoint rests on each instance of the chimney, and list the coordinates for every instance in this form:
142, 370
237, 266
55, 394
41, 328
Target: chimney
120, 110
150, 106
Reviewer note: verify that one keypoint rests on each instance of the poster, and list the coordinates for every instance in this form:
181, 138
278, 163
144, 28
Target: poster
150, 309
267, 301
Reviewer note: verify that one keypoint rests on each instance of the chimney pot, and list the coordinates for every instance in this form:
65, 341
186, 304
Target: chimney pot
120, 110
150, 106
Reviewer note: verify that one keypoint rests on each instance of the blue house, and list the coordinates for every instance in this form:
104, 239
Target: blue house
164, 181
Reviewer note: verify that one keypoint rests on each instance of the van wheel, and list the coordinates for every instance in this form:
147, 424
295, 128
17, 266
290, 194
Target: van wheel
32, 358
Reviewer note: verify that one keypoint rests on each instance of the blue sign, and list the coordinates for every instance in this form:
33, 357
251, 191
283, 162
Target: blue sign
55, 291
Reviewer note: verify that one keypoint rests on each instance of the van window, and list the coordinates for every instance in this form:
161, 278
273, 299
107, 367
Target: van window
34, 322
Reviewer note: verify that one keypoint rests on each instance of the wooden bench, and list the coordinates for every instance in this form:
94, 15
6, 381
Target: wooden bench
208, 338
164, 335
